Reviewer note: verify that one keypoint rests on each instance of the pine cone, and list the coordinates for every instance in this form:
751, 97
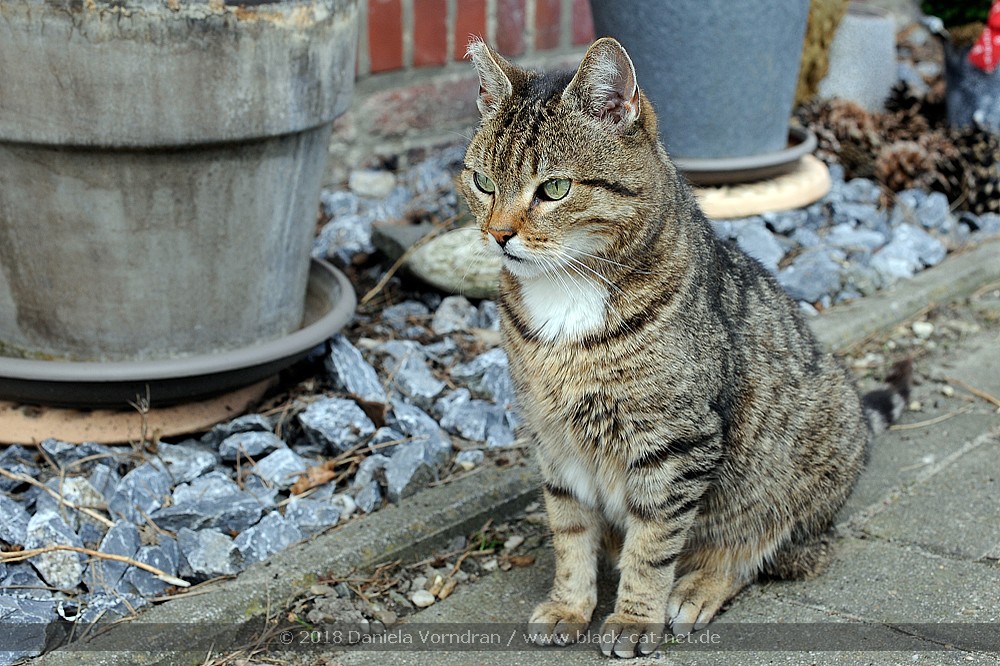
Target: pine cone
904, 165
979, 168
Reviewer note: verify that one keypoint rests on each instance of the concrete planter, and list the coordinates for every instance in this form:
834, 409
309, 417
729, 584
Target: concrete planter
862, 57
721, 74
160, 168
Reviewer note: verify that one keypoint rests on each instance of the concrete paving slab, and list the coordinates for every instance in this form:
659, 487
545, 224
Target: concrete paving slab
956, 511
893, 583
901, 457
779, 632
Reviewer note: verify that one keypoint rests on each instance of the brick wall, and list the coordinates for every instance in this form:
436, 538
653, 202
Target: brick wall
415, 90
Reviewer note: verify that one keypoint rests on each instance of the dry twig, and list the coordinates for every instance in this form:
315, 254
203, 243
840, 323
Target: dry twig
979, 393
59, 498
930, 422
373, 292
34, 552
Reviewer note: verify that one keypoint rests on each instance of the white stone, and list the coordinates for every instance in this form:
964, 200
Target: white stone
922, 329
422, 599
374, 183
457, 262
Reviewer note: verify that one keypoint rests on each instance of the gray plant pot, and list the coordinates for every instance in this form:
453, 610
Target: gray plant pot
160, 168
721, 74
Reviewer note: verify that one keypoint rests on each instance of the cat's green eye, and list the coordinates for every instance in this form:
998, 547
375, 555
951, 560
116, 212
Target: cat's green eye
555, 189
483, 182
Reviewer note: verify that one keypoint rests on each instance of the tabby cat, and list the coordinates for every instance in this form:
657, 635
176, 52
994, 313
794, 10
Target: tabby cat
677, 397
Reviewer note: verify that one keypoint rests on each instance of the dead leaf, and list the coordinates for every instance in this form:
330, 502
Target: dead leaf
315, 476
521, 560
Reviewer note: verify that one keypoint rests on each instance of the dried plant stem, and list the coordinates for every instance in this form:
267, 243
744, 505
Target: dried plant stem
929, 422
979, 393
34, 552
441, 226
59, 498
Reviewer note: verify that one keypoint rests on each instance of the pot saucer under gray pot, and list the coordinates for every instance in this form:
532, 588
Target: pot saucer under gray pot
721, 74
160, 169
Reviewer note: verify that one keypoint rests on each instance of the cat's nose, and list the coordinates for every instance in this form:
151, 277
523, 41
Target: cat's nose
501, 236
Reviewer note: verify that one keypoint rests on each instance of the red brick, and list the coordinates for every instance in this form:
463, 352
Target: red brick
430, 32
547, 28
510, 27
429, 105
470, 21
385, 35
583, 23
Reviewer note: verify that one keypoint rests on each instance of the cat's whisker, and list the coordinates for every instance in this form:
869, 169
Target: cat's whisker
479, 253
575, 266
573, 261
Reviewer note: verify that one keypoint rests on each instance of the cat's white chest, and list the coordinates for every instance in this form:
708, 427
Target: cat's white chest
563, 307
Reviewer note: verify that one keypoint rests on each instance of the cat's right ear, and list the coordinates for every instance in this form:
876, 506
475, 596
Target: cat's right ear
494, 81
604, 86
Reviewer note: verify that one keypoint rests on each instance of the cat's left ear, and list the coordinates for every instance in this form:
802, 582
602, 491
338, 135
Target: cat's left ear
604, 86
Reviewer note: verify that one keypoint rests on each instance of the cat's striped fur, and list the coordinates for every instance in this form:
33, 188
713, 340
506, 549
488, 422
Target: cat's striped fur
675, 393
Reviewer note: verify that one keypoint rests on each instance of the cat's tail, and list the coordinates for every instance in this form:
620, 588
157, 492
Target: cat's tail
884, 406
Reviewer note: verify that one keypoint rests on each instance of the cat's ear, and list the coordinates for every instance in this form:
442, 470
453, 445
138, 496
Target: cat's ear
494, 76
604, 86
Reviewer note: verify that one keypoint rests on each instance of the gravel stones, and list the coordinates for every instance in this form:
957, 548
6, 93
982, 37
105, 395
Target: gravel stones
68, 456
488, 375
186, 461
416, 423
407, 367
909, 250
401, 317
372, 183
13, 521
753, 238
311, 516
369, 497
106, 574
455, 313
412, 467
141, 491
245, 423
337, 424
475, 420
281, 468
272, 534
849, 237
165, 556
422, 599
812, 275
351, 373
209, 553
24, 622
18, 460
77, 490
61, 568
213, 501
253, 444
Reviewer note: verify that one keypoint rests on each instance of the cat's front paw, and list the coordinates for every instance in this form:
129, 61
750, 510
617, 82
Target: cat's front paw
696, 598
627, 636
555, 623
